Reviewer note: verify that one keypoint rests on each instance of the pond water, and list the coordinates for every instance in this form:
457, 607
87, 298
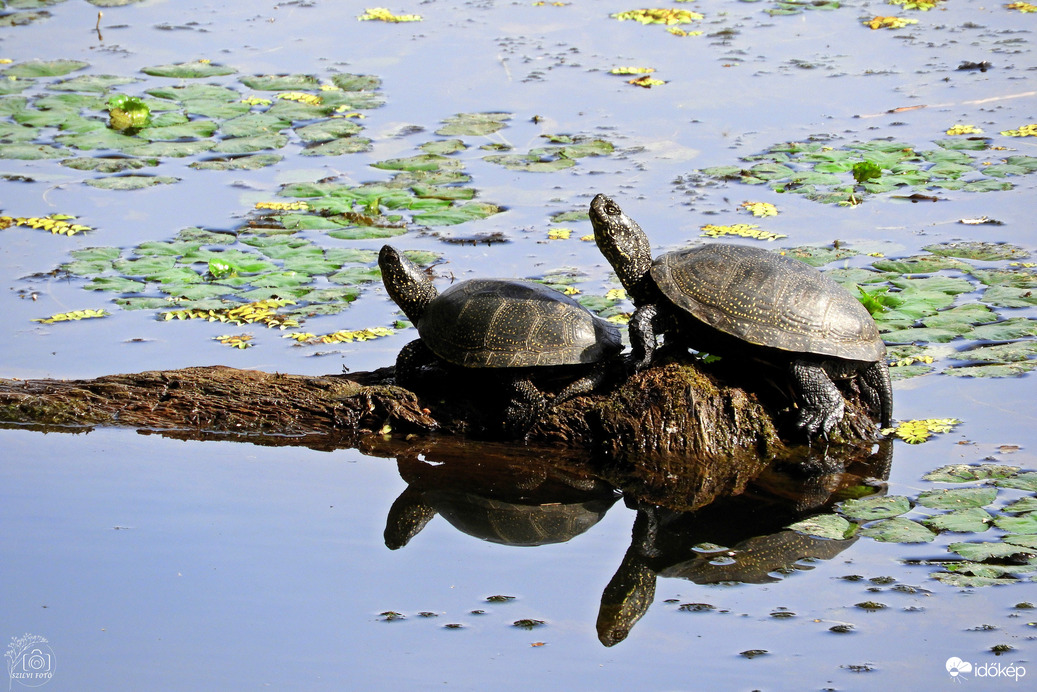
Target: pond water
148, 562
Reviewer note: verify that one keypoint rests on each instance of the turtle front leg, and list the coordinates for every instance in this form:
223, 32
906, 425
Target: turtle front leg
877, 391
526, 406
412, 359
643, 339
821, 403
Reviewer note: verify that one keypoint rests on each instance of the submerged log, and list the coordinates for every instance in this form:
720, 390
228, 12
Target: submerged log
657, 424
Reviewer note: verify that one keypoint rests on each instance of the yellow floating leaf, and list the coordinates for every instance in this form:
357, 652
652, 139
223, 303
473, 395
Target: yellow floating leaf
911, 360
301, 97
283, 206
646, 82
1021, 6
632, 70
55, 223
344, 111
235, 340
587, 238
570, 290
1024, 131
676, 31
616, 294
620, 318
261, 311
918, 431
923, 5
744, 230
341, 336
383, 15
256, 101
559, 233
71, 316
964, 130
889, 22
761, 208
659, 16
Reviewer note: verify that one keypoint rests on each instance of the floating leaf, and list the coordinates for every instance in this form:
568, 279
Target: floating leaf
825, 526
965, 473
658, 16
745, 230
383, 15
40, 68
473, 124
57, 224
970, 520
898, 530
870, 508
918, 431
235, 340
957, 498
989, 551
75, 315
188, 70
130, 182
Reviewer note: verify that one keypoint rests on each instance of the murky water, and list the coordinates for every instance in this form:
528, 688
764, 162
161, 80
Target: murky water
154, 563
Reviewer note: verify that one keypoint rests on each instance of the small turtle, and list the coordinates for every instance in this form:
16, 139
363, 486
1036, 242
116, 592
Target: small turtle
722, 297
517, 329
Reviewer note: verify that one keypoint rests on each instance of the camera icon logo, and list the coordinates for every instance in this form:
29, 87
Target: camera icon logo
30, 660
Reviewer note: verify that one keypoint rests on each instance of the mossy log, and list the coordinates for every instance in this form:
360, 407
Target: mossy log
672, 420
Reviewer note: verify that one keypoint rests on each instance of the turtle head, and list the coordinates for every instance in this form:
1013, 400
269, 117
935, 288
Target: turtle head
407, 285
623, 243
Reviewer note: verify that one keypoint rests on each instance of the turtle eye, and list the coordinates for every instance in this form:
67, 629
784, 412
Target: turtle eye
612, 209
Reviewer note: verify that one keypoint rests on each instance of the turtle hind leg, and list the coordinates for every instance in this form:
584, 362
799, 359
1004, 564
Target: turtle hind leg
588, 383
877, 391
526, 406
821, 403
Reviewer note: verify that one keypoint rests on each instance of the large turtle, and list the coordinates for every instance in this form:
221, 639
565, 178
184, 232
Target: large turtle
515, 330
726, 298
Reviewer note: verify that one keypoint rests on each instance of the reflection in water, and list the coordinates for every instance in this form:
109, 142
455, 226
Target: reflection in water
740, 539
505, 498
529, 504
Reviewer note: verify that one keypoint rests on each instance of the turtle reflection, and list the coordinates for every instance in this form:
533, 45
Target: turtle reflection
504, 502
740, 539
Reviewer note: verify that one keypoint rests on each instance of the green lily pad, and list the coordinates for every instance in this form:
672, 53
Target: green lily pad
1027, 504
534, 163
457, 214
919, 335
421, 162
970, 520
869, 508
1023, 481
338, 147
108, 164
116, 284
238, 163
979, 250
194, 129
248, 145
966, 473
44, 68
1022, 524
327, 130
188, 70
130, 182
960, 319
968, 581
473, 124
898, 530
1013, 328
957, 498
1025, 278
443, 147
825, 526
175, 149
286, 82
253, 124
1016, 351
95, 83
30, 152
190, 93
989, 551
920, 264
1009, 297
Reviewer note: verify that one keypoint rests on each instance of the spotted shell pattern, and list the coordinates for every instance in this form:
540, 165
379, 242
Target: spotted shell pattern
489, 323
768, 300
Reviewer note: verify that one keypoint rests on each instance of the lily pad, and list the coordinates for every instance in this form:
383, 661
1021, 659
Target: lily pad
1015, 351
1009, 297
248, 145
826, 526
980, 552
966, 473
238, 163
188, 70
970, 520
957, 498
979, 250
870, 508
473, 124
1023, 481
920, 264
287, 82
1022, 524
96, 83
898, 530
44, 68
130, 182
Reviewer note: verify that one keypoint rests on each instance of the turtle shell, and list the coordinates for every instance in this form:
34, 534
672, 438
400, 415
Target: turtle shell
769, 300
491, 323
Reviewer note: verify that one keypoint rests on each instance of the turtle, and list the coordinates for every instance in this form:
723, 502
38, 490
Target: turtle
515, 330
727, 298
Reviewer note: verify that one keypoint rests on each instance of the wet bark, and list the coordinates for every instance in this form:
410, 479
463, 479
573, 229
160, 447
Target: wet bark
656, 423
